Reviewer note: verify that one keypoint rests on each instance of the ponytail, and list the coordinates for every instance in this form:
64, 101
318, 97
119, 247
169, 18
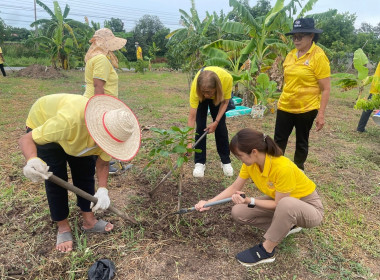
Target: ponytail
248, 139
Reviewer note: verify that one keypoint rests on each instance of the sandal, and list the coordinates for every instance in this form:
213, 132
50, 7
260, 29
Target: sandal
99, 227
64, 237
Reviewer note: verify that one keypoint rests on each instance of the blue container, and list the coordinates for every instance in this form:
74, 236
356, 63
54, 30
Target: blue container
239, 111
236, 100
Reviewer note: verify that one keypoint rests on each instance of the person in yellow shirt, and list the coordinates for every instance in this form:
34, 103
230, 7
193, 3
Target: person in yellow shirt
210, 90
138, 51
2, 60
306, 90
100, 73
71, 129
289, 202
375, 89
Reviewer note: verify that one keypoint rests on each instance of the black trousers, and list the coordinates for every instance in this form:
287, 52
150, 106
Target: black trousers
284, 125
82, 173
2, 69
221, 133
364, 118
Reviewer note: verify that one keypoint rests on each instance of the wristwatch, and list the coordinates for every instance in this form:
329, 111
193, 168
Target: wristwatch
252, 203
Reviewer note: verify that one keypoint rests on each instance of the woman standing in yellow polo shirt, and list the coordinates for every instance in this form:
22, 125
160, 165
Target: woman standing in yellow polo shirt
100, 74
290, 200
306, 90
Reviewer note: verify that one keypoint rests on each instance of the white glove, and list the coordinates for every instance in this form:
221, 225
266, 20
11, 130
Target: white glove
36, 170
103, 200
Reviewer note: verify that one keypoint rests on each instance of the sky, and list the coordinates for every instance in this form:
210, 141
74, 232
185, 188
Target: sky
21, 13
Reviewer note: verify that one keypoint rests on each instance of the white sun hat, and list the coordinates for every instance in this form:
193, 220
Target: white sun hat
113, 126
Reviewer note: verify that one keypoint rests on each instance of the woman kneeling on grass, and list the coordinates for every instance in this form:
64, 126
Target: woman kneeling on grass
290, 200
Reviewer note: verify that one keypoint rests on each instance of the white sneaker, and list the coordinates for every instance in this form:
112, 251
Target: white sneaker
294, 229
199, 170
227, 169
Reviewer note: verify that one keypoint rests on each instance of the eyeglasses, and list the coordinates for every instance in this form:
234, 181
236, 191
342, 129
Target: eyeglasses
299, 37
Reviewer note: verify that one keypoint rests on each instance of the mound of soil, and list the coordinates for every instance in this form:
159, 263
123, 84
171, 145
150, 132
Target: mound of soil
40, 72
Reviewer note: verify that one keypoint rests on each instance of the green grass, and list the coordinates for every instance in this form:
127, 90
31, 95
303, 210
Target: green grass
344, 165
26, 61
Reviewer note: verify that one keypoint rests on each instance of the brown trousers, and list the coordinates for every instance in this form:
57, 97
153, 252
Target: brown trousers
306, 212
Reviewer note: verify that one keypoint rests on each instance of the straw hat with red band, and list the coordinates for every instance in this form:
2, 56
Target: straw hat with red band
113, 126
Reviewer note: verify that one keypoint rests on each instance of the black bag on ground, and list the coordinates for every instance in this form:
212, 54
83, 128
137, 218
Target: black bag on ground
103, 269
231, 104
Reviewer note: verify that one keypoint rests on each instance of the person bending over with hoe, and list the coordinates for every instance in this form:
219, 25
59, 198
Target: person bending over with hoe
290, 201
69, 128
211, 89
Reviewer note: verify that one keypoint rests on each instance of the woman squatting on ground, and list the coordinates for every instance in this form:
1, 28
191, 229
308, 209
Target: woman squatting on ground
289, 203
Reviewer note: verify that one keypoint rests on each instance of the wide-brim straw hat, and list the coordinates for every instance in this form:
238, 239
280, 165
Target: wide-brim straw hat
109, 40
304, 25
113, 126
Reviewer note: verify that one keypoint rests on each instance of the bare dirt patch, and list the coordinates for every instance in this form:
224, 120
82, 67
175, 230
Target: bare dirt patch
40, 72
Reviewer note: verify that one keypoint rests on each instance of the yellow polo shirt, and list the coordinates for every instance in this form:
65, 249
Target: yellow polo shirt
280, 174
224, 77
99, 67
1, 60
301, 92
139, 53
59, 118
375, 85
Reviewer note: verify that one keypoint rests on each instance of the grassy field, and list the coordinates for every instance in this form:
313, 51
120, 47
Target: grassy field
344, 164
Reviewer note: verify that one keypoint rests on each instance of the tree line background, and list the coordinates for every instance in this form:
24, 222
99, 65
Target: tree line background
64, 41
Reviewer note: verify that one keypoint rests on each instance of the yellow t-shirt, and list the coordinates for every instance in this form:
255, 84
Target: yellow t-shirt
100, 67
224, 77
139, 53
280, 174
375, 85
301, 92
1, 60
59, 118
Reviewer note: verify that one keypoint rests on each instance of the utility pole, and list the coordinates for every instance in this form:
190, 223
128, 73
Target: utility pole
35, 17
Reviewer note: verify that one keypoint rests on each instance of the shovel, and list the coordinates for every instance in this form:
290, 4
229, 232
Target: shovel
156, 188
9, 67
62, 183
222, 201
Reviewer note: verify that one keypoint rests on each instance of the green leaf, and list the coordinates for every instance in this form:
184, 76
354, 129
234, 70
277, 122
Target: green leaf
180, 149
180, 161
234, 28
360, 59
263, 80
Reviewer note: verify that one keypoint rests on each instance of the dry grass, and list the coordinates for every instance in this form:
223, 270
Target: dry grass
344, 164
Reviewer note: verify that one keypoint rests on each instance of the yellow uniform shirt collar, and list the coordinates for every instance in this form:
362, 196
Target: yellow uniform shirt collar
309, 51
267, 165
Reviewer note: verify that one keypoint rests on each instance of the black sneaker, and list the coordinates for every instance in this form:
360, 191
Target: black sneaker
255, 255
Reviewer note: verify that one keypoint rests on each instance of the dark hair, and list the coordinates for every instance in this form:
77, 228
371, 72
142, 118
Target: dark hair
210, 79
316, 37
248, 139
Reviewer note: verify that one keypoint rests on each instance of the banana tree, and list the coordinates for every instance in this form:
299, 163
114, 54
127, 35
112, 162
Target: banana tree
349, 81
260, 47
59, 34
185, 43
